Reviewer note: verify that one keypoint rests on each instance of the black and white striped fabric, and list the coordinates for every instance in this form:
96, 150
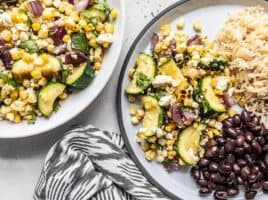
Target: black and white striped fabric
91, 164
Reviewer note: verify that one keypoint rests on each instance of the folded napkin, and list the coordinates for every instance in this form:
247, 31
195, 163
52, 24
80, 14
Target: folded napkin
91, 164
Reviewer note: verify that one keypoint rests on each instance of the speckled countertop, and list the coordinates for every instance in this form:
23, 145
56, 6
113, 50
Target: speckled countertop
21, 160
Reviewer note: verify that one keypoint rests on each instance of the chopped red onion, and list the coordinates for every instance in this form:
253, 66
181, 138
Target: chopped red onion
60, 49
228, 100
2, 43
75, 58
173, 44
36, 8
172, 166
195, 40
6, 58
154, 40
180, 117
82, 4
71, 1
58, 34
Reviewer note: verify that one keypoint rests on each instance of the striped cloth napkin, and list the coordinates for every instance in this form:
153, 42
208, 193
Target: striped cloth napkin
91, 164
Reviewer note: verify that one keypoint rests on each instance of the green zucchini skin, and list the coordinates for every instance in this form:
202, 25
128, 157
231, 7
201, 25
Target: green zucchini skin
84, 79
94, 13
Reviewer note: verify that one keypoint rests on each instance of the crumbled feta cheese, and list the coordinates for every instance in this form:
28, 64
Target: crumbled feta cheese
5, 19
222, 83
161, 80
57, 3
169, 136
165, 100
218, 125
207, 60
41, 43
23, 36
107, 37
178, 56
159, 132
21, 27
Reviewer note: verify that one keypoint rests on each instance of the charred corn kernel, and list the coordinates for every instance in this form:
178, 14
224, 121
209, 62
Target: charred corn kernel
170, 127
36, 26
114, 14
152, 139
197, 26
131, 72
36, 74
163, 60
165, 29
109, 28
210, 133
14, 95
27, 58
242, 101
150, 154
145, 146
6, 35
66, 38
180, 24
222, 117
132, 111
10, 116
216, 132
218, 92
131, 99
232, 112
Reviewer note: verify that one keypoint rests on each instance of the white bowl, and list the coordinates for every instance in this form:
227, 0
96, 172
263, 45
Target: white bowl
212, 14
78, 101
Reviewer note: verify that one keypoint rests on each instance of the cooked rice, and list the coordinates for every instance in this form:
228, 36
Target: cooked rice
244, 41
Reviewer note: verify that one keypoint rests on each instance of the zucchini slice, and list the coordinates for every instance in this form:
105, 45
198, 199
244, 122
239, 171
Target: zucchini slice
210, 101
47, 97
94, 13
153, 116
188, 143
81, 76
52, 67
146, 67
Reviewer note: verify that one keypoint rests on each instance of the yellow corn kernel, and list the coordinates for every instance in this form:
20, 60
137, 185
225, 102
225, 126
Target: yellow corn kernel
109, 28
83, 23
43, 33
180, 24
170, 142
50, 47
14, 18
93, 43
150, 154
222, 117
75, 16
44, 57
163, 60
132, 111
88, 28
210, 133
157, 48
114, 14
10, 116
213, 82
27, 58
47, 2
232, 112
97, 66
42, 81
17, 119
14, 95
23, 94
100, 27
6, 35
105, 44
36, 74
36, 26
218, 92
131, 99
66, 38
48, 15
197, 26
63, 96
242, 101
145, 146
165, 29
14, 54
21, 52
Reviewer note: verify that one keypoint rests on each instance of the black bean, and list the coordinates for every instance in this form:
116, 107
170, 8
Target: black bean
230, 159
215, 177
261, 140
203, 191
256, 147
220, 195
211, 185
239, 131
232, 192
245, 172
255, 169
249, 136
252, 178
220, 140
202, 183
255, 129
206, 175
259, 176
240, 140
227, 123
236, 168
255, 120
266, 159
241, 162
221, 152
213, 167
250, 194
265, 186
256, 186
211, 143
245, 116
230, 180
240, 181
249, 159
211, 152
203, 162
195, 173
236, 120
229, 146
231, 132
265, 148
247, 148
239, 151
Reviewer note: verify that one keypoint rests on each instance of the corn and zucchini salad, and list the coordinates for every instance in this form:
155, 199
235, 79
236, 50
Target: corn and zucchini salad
183, 87
48, 48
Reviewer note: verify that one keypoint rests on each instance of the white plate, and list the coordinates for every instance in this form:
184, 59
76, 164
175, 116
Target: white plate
212, 13
77, 102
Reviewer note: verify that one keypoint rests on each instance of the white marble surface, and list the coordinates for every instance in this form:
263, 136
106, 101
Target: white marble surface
21, 160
